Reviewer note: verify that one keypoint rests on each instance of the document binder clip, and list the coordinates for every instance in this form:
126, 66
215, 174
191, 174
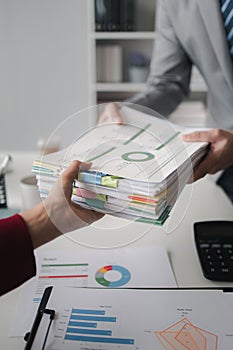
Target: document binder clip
30, 336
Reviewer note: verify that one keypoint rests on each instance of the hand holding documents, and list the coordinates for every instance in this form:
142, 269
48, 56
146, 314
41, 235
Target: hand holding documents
138, 168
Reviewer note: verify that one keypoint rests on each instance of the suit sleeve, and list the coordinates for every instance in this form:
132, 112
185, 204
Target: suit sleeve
17, 261
170, 68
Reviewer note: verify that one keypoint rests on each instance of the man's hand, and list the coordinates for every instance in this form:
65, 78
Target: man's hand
111, 114
220, 155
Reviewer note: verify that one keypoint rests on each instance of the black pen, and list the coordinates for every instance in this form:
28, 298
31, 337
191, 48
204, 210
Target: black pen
30, 336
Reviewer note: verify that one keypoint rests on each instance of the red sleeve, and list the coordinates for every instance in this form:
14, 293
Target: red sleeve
17, 261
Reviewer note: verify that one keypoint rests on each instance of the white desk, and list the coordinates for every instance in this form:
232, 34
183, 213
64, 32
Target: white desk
198, 202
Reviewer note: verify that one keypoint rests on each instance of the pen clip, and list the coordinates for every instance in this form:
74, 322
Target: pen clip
30, 336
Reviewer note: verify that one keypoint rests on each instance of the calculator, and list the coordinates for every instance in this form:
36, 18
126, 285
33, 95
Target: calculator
214, 243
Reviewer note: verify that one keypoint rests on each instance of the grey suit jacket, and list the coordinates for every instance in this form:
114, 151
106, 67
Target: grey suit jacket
190, 32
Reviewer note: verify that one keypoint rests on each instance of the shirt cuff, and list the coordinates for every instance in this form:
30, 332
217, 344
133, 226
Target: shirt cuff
17, 260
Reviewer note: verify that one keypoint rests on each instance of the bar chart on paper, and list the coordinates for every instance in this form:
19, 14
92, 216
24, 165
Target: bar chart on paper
92, 326
129, 319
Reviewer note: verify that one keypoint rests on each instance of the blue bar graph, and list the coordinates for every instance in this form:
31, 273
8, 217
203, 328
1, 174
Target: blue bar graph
88, 331
83, 327
82, 324
88, 312
93, 318
99, 339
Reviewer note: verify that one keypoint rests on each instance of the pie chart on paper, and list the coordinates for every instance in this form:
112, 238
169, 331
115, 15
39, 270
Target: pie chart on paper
119, 276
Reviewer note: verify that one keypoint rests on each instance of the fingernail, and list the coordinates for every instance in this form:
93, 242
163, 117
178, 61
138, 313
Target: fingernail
85, 165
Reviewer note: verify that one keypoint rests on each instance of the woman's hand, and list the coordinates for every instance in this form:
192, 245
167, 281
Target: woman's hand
57, 214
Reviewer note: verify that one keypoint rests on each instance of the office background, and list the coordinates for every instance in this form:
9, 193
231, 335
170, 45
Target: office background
43, 68
48, 67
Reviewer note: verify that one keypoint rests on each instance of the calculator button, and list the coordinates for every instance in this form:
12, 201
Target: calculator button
212, 269
220, 264
215, 245
215, 272
220, 257
209, 257
204, 245
206, 250
227, 246
225, 270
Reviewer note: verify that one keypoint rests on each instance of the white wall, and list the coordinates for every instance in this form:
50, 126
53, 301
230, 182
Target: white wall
43, 69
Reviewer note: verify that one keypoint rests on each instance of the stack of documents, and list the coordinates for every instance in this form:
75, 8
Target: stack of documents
138, 168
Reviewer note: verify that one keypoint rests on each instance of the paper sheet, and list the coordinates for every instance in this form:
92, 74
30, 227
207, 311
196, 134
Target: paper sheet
146, 148
142, 267
140, 320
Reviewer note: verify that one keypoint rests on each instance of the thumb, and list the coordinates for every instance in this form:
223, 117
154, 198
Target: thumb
71, 173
